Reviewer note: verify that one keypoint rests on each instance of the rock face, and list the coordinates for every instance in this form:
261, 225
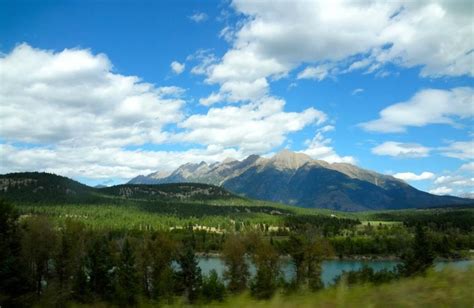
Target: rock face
297, 179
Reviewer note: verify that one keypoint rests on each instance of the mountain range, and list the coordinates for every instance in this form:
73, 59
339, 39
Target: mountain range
297, 179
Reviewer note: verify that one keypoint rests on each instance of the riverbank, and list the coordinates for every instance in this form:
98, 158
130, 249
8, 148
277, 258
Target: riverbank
352, 258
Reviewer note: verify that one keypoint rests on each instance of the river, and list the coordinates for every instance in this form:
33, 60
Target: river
330, 268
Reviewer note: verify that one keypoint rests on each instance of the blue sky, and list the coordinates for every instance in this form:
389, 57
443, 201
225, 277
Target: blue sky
248, 77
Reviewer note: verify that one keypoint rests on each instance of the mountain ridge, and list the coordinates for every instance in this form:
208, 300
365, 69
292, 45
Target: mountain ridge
297, 179
41, 187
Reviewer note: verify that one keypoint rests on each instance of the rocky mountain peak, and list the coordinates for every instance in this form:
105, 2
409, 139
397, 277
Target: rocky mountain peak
229, 160
286, 159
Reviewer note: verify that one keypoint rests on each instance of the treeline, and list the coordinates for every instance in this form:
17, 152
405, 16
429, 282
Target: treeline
440, 219
52, 265
328, 226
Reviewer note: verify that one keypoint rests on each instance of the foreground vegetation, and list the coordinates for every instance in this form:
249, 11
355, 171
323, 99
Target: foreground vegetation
51, 262
448, 288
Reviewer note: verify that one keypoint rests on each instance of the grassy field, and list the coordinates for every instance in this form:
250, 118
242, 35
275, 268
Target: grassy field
448, 288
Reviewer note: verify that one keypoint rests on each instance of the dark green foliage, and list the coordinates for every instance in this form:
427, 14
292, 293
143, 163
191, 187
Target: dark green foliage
14, 282
307, 253
328, 226
154, 258
233, 254
169, 192
213, 289
100, 266
39, 243
43, 187
266, 261
68, 257
81, 291
420, 257
190, 278
127, 278
367, 275
437, 219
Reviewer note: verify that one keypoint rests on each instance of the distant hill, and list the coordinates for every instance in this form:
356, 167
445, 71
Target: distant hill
297, 179
38, 187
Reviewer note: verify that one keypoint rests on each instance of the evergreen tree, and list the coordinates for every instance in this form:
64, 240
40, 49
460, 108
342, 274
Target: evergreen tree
101, 266
296, 251
307, 255
13, 280
420, 257
190, 274
237, 269
162, 250
80, 287
128, 280
38, 246
213, 289
266, 260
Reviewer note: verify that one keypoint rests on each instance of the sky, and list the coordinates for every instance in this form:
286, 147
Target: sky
102, 91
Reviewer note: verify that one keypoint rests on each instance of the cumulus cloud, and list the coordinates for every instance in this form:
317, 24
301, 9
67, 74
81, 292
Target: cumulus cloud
278, 36
456, 180
177, 67
401, 150
459, 182
429, 106
468, 167
96, 162
254, 128
410, 176
442, 190
459, 149
57, 107
74, 97
211, 99
205, 59
319, 72
320, 148
198, 17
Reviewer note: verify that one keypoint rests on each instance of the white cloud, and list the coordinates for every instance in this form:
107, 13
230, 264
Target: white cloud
442, 190
454, 180
319, 72
460, 149
357, 91
74, 97
205, 59
60, 105
211, 99
95, 162
278, 36
319, 148
198, 17
401, 150
253, 128
429, 106
468, 167
459, 182
327, 128
177, 67
410, 176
